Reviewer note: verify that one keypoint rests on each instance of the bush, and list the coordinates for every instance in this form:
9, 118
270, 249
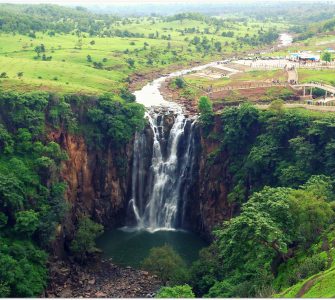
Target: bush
205, 107
84, 240
178, 291
277, 106
180, 82
311, 266
222, 289
205, 271
22, 269
167, 265
26, 222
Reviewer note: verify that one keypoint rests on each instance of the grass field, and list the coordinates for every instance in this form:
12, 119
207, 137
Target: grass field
325, 76
321, 284
70, 71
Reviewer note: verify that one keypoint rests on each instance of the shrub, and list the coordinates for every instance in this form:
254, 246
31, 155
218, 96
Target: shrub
178, 291
166, 264
84, 240
311, 266
180, 82
206, 111
222, 289
22, 269
26, 222
277, 106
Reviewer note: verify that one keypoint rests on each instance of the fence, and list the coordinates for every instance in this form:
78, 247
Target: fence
247, 86
282, 65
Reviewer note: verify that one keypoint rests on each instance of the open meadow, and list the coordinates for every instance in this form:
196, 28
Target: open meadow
77, 62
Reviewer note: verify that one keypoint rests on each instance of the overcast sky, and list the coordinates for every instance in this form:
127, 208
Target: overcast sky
106, 2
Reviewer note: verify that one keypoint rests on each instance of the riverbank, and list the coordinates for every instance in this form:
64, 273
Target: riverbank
99, 278
139, 79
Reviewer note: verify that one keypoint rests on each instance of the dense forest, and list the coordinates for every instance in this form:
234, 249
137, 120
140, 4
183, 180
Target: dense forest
32, 193
281, 166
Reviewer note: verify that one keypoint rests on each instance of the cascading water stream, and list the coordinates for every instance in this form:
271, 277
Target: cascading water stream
158, 198
160, 186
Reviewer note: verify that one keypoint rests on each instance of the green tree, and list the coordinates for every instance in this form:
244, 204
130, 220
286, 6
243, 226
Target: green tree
130, 62
218, 46
312, 215
205, 107
180, 82
4, 290
222, 289
115, 120
6, 141
11, 194
166, 264
277, 106
205, 271
26, 222
22, 269
326, 56
270, 223
178, 291
83, 243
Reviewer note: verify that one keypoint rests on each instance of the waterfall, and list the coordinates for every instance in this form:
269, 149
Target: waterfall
159, 184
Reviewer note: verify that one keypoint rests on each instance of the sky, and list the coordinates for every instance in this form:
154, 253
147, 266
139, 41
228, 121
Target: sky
106, 2
111, 2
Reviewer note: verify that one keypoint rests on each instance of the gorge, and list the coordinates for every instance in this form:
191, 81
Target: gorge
122, 177
164, 179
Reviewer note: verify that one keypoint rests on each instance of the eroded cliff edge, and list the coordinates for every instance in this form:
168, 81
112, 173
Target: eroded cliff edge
98, 186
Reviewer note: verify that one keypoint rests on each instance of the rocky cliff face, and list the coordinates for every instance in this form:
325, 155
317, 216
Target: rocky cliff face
214, 184
98, 182
208, 204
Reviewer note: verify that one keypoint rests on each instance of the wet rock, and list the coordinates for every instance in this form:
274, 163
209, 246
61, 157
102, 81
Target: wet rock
100, 279
100, 294
65, 293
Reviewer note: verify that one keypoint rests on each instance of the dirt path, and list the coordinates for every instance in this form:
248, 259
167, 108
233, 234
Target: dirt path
306, 287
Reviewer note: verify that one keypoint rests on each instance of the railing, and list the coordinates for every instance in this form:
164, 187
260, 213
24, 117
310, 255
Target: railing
267, 66
326, 87
246, 86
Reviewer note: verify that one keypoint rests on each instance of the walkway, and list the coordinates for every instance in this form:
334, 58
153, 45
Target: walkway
325, 87
270, 64
292, 75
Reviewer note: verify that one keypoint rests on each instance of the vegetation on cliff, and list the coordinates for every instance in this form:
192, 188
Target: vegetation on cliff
32, 204
178, 291
281, 170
